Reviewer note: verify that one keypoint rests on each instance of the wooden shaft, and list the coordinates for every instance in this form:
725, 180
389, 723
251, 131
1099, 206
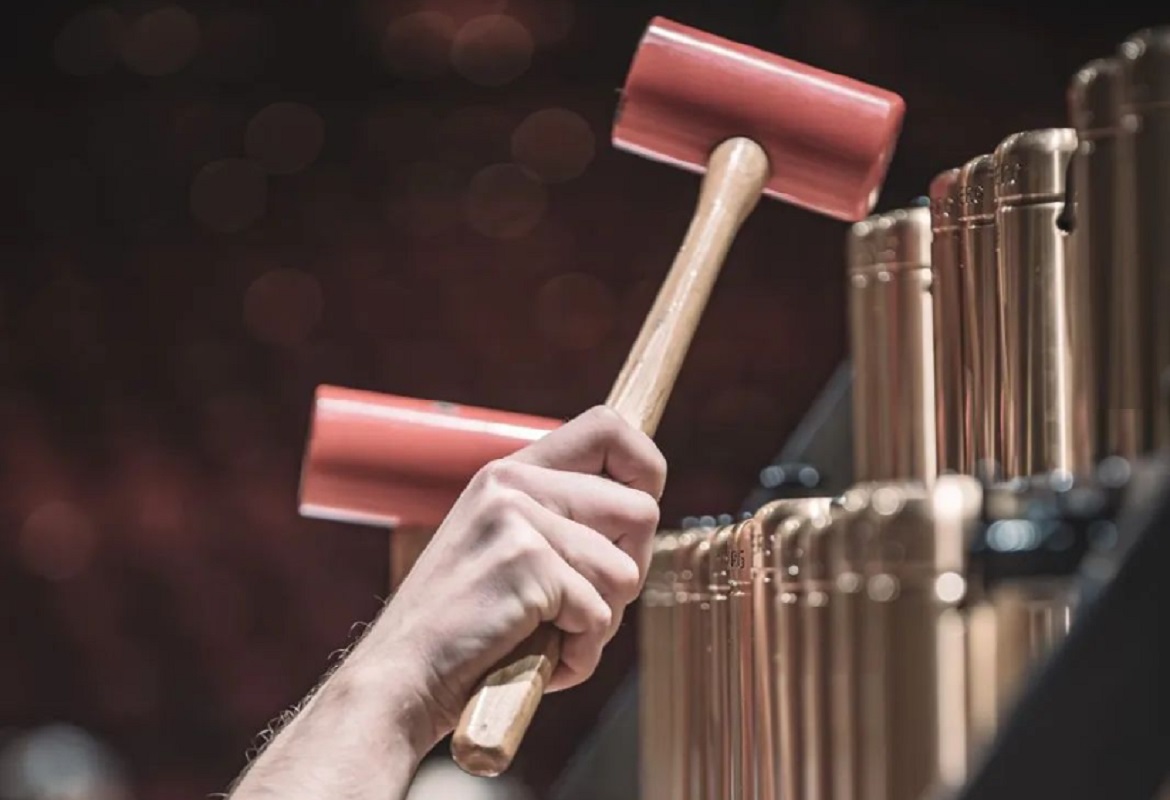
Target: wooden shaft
494, 721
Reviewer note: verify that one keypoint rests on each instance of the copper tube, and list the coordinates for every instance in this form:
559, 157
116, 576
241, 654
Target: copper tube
1145, 58
779, 524
871, 437
846, 565
723, 729
952, 371
1111, 334
764, 598
741, 669
655, 684
913, 697
685, 737
1034, 261
982, 345
815, 671
707, 774
892, 322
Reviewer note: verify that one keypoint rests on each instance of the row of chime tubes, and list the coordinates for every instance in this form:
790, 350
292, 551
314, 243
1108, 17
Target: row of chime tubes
855, 648
1014, 330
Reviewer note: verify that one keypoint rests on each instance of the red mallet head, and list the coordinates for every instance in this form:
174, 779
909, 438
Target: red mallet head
829, 139
379, 459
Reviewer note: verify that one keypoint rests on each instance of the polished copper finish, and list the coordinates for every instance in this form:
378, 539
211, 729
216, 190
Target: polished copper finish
1145, 58
1111, 337
722, 720
828, 138
851, 529
789, 643
741, 669
816, 668
657, 678
706, 755
780, 523
764, 599
1034, 258
982, 346
892, 321
686, 737
952, 371
913, 688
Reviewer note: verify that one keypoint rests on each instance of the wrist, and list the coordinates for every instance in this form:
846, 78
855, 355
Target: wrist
394, 690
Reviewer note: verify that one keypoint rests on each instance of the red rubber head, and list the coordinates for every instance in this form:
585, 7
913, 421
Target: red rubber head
829, 138
378, 459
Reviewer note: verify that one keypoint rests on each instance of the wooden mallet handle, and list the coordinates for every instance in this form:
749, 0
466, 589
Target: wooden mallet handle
495, 720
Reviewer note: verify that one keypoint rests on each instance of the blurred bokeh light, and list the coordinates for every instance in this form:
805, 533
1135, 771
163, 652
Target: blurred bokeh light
57, 541
418, 45
555, 144
90, 42
229, 195
285, 138
282, 307
161, 41
504, 201
492, 50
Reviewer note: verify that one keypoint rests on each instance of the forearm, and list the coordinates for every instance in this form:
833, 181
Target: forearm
362, 735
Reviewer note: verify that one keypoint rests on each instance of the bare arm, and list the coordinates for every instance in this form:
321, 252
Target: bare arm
536, 538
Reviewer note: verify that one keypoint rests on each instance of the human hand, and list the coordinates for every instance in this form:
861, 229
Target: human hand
538, 537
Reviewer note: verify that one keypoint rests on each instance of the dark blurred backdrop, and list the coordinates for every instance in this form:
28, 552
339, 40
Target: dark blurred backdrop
212, 207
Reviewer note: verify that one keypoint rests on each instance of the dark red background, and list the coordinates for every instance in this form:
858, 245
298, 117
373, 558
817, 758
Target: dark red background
158, 355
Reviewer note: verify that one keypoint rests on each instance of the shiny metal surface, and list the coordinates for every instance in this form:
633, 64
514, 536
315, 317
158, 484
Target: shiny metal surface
789, 696
983, 347
657, 675
870, 406
891, 318
914, 658
722, 730
816, 670
708, 774
686, 742
952, 371
1034, 259
1145, 59
1106, 351
741, 667
780, 523
851, 526
764, 599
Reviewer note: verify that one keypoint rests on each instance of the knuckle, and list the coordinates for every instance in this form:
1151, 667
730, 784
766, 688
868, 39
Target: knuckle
643, 513
625, 578
500, 504
500, 472
605, 422
525, 548
600, 619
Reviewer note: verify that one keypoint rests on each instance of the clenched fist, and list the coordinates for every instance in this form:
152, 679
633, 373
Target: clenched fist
560, 532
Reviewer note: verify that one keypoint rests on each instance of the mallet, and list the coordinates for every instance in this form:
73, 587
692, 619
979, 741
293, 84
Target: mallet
753, 122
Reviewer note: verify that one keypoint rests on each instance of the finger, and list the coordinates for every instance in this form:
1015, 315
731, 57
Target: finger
621, 515
601, 442
608, 568
585, 618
